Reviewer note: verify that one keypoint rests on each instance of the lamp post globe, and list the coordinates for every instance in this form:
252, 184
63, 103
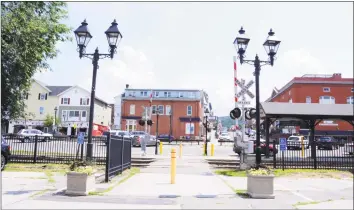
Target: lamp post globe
271, 46
241, 43
113, 37
83, 37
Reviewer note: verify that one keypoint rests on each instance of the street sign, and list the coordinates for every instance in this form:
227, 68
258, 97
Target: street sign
81, 137
282, 144
244, 102
244, 89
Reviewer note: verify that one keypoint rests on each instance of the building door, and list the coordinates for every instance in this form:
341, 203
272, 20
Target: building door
131, 125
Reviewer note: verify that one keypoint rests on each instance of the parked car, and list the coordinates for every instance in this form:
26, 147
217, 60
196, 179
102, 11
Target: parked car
125, 134
294, 142
349, 148
225, 137
272, 150
327, 142
5, 153
138, 137
166, 138
27, 135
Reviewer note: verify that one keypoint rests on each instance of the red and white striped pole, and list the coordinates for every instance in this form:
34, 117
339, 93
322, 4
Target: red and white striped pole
235, 87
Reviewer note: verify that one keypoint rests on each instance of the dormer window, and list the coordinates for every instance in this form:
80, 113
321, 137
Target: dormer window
157, 94
181, 94
144, 93
167, 94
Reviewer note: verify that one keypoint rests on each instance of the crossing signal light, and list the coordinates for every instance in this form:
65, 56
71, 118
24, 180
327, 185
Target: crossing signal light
141, 122
150, 122
235, 113
250, 114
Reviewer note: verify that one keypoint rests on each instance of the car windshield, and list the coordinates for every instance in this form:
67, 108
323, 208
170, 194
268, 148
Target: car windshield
123, 133
325, 139
293, 138
224, 134
138, 132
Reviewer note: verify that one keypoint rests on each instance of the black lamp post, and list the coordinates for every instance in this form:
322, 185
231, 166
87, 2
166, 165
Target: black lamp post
83, 37
206, 131
157, 129
271, 46
55, 119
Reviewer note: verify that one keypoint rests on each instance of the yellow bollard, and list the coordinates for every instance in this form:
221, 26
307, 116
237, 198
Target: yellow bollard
180, 150
161, 147
203, 149
212, 150
173, 166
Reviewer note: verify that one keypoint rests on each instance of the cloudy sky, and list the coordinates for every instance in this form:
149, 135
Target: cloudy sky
190, 46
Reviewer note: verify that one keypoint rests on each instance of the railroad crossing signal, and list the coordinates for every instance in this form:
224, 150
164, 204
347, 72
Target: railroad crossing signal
244, 89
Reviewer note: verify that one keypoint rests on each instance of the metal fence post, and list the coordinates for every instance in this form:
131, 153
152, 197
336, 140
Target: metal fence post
274, 155
106, 178
315, 154
130, 153
82, 151
35, 149
122, 153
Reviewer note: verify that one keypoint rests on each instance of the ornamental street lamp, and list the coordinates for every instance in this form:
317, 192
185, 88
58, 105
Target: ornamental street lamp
271, 46
83, 37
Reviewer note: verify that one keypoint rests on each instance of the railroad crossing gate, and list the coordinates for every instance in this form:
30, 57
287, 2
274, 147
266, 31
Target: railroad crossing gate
244, 90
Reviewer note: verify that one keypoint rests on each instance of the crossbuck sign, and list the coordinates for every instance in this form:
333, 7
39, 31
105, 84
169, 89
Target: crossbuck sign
244, 89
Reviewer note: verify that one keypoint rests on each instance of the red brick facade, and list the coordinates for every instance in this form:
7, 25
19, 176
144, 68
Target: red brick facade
179, 110
298, 89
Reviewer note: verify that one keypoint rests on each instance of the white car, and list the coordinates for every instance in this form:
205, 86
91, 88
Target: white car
349, 148
27, 135
225, 136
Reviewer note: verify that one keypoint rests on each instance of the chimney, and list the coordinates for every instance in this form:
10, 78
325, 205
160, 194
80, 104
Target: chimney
126, 86
337, 76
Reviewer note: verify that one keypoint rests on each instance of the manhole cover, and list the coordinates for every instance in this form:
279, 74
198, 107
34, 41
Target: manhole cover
169, 196
206, 196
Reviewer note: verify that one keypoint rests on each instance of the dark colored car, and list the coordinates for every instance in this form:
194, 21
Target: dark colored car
272, 150
166, 138
327, 142
5, 153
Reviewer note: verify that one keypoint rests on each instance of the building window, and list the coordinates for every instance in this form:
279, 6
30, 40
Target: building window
74, 113
132, 109
160, 109
143, 93
289, 92
191, 95
83, 114
326, 89
291, 100
327, 100
157, 93
167, 94
41, 110
189, 110
168, 109
308, 99
42, 96
181, 94
84, 101
65, 115
352, 92
65, 101
350, 100
153, 109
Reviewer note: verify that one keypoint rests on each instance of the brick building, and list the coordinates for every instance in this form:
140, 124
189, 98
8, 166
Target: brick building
324, 89
183, 110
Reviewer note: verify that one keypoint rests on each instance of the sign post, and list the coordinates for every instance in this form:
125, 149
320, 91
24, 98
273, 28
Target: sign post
80, 142
283, 148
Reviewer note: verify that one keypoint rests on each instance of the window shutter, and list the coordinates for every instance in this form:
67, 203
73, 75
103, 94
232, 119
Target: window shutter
88, 100
68, 100
39, 96
80, 101
46, 96
62, 100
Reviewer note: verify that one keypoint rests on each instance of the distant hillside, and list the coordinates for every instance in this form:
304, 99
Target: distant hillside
226, 121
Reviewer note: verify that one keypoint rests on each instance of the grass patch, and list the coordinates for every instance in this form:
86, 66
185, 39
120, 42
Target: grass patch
25, 152
126, 174
310, 202
294, 172
50, 177
42, 167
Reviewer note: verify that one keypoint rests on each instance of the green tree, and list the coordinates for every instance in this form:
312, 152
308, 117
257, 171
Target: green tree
49, 120
30, 31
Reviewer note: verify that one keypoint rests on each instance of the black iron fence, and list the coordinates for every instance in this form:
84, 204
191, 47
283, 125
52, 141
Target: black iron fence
118, 155
58, 149
316, 155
